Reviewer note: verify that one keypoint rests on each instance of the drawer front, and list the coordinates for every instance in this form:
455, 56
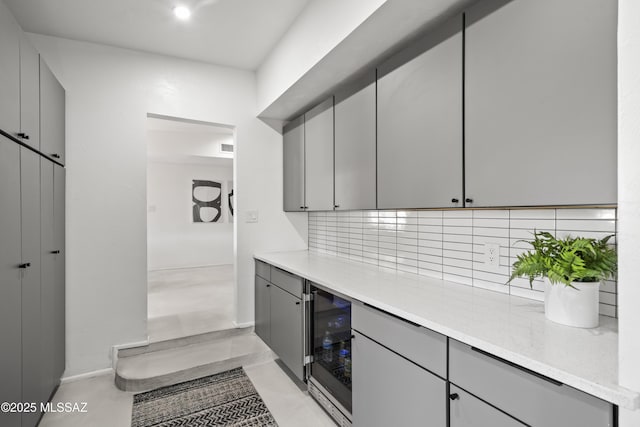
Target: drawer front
536, 401
420, 345
263, 270
287, 281
468, 411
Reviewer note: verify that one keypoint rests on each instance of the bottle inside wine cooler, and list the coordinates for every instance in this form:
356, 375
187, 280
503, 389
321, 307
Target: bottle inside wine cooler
327, 347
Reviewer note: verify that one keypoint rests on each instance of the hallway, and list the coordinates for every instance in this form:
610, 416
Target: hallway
189, 301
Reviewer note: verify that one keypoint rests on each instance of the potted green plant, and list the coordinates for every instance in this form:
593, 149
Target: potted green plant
572, 268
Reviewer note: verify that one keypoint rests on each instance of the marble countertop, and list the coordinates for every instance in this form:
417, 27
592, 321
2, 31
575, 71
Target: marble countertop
510, 327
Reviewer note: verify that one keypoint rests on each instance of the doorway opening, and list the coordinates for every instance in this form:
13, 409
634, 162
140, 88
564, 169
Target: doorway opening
190, 228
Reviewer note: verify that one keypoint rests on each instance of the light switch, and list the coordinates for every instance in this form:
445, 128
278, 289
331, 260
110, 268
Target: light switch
251, 216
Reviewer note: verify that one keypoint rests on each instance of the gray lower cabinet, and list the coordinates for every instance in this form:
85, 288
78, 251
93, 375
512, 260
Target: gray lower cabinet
9, 72
31, 302
355, 145
10, 279
389, 390
540, 102
52, 115
420, 123
466, 410
279, 315
318, 157
263, 310
29, 94
286, 330
293, 166
529, 397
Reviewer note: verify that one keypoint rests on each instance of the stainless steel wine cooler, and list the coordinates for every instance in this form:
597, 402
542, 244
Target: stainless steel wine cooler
329, 373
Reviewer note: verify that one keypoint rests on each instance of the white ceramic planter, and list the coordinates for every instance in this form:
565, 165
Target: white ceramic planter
572, 307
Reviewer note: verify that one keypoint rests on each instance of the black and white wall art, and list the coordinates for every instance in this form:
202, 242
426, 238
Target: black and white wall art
231, 199
207, 201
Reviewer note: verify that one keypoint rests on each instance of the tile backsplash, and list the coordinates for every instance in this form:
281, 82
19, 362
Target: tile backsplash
450, 244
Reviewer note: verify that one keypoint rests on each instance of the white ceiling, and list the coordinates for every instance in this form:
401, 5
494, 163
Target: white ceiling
235, 33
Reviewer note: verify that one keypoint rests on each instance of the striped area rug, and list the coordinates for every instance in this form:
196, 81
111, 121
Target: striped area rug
225, 399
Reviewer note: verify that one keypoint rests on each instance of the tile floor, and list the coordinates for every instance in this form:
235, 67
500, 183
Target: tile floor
189, 301
109, 407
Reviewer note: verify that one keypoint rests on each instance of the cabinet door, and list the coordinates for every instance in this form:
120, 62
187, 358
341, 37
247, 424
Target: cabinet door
31, 304
468, 411
29, 93
59, 286
420, 123
293, 162
355, 146
540, 102
318, 146
10, 277
9, 72
48, 276
52, 115
263, 310
286, 329
388, 390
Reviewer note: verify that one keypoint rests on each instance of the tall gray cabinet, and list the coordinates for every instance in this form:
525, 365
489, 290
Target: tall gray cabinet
32, 216
420, 123
540, 102
318, 154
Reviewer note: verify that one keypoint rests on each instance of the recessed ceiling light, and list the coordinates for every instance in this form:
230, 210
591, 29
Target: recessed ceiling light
182, 12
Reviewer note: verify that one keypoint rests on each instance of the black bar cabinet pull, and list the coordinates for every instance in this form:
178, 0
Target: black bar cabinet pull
55, 156
454, 396
468, 200
268, 286
55, 252
454, 200
23, 135
25, 265
297, 302
336, 206
353, 337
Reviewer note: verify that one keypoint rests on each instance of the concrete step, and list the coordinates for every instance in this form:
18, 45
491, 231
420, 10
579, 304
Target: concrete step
183, 341
161, 367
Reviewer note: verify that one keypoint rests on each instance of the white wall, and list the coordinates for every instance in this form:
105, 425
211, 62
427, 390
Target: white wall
109, 93
321, 26
629, 200
174, 240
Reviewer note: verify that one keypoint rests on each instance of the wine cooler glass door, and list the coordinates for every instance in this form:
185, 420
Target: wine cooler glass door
332, 344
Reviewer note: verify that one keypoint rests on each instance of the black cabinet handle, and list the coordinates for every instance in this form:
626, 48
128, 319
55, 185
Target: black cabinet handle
454, 200
336, 206
23, 135
301, 207
468, 200
25, 265
55, 156
454, 396
268, 286
55, 252
297, 302
353, 337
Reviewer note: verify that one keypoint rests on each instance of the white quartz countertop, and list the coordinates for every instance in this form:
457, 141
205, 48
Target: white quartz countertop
510, 327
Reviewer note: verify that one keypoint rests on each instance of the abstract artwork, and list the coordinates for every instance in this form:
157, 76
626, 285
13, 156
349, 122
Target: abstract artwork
230, 198
207, 200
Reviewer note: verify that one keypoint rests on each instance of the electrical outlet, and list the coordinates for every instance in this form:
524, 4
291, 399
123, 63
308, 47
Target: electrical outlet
492, 255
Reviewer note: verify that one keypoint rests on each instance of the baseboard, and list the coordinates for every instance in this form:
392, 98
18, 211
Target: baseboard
117, 347
98, 373
243, 325
188, 267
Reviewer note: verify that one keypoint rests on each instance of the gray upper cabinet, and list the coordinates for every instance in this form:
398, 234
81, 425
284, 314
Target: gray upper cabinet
540, 102
355, 145
52, 115
29, 94
10, 279
293, 162
9, 72
420, 122
318, 143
